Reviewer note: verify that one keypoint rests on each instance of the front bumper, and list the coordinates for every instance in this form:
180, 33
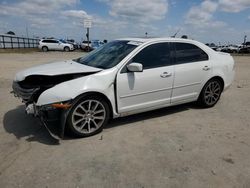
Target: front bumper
53, 119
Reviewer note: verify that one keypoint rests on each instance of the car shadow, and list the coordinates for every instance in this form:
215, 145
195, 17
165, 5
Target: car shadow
19, 124
150, 115
16, 122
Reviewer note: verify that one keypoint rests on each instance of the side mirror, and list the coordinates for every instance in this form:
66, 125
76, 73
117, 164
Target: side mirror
135, 67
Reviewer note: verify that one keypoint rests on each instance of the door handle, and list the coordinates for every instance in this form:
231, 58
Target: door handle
206, 68
166, 74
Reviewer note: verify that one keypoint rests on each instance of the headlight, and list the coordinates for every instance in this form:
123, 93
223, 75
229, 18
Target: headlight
59, 105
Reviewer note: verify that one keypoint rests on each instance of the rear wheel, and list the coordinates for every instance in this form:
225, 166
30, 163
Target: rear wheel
211, 93
88, 116
45, 49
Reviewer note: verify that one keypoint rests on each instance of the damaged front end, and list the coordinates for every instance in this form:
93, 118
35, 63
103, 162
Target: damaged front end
51, 115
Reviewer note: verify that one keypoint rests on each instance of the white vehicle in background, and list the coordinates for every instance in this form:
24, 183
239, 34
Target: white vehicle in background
124, 77
231, 49
93, 44
86, 45
54, 44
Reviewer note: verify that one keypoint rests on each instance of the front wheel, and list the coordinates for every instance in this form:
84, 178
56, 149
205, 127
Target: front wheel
88, 116
210, 93
66, 49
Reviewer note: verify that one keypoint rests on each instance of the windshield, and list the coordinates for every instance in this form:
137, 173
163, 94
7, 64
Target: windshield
62, 41
109, 55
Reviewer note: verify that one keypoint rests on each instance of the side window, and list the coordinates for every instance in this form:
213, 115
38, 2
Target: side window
187, 53
48, 41
155, 55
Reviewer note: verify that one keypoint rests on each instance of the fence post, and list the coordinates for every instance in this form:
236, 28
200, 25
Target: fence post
18, 43
24, 43
3, 42
11, 42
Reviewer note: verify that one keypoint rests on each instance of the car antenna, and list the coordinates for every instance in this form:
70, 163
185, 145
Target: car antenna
176, 33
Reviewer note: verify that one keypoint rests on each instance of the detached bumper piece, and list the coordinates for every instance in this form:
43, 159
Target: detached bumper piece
54, 118
54, 122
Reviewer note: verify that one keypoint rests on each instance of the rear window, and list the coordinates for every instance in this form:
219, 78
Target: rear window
188, 53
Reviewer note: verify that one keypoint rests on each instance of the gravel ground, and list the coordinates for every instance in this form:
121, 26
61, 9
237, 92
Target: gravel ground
181, 146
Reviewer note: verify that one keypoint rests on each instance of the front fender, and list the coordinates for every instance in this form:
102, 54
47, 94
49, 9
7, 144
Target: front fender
101, 82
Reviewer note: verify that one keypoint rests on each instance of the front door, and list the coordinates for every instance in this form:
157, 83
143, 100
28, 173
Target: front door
150, 88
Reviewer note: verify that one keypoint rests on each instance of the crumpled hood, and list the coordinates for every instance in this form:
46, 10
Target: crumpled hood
57, 68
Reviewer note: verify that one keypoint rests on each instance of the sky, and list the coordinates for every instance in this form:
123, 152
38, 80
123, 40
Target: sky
217, 21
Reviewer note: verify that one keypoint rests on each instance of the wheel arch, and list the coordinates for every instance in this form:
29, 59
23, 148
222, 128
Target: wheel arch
66, 47
214, 77
220, 79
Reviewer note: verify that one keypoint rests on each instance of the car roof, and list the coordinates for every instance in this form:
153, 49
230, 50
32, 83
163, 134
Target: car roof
48, 39
144, 40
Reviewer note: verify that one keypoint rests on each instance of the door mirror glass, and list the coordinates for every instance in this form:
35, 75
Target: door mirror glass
135, 67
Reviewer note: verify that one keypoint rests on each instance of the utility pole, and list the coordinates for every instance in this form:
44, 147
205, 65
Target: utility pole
27, 31
87, 24
245, 39
87, 35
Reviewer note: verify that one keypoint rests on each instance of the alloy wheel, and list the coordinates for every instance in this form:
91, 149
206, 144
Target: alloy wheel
212, 92
88, 116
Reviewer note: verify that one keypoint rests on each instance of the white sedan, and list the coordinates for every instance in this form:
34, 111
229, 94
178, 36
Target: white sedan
123, 77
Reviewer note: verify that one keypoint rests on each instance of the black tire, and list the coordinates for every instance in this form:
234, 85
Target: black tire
45, 49
66, 49
91, 126
210, 93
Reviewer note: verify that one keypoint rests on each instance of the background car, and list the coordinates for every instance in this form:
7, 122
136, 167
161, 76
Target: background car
73, 42
86, 46
230, 49
93, 44
247, 44
54, 44
244, 50
96, 44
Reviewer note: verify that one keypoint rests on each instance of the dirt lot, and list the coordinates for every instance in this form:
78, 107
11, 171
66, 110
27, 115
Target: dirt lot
182, 146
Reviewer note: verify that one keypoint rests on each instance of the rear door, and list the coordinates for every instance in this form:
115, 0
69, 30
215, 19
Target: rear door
53, 45
150, 88
192, 68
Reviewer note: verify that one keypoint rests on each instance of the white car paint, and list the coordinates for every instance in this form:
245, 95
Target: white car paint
134, 92
101, 82
56, 68
139, 91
